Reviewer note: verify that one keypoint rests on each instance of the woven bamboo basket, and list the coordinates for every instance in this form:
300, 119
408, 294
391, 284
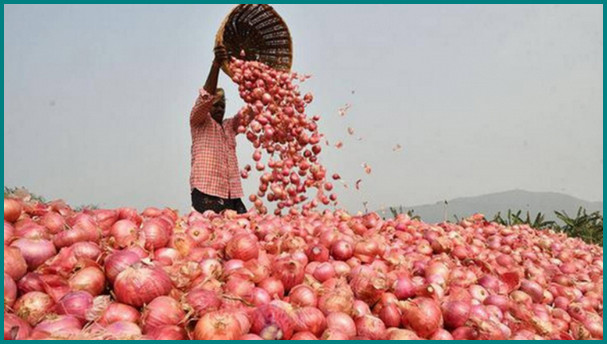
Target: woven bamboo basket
260, 32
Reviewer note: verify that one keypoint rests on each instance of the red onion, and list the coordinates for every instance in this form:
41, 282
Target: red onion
304, 336
390, 315
15, 328
32, 231
422, 315
340, 299
124, 233
243, 247
156, 235
218, 325
35, 252
456, 313
331, 334
12, 210
10, 291
399, 334
58, 325
123, 330
162, 311
533, 289
140, 284
290, 273
317, 253
168, 333
310, 319
14, 263
371, 327
441, 335
272, 323
258, 297
33, 306
404, 288
88, 250
9, 233
118, 312
341, 322
118, 262
250, 336
342, 250
75, 304
90, 279
303, 296
324, 271
368, 286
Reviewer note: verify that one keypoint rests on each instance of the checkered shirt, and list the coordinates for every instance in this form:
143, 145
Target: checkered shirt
214, 169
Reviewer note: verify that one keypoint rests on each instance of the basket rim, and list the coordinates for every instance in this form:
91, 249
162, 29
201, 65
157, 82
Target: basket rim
220, 31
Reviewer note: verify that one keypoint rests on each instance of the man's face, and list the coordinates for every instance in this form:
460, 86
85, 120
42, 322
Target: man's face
219, 107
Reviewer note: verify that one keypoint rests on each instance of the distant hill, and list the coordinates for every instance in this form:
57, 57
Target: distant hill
491, 204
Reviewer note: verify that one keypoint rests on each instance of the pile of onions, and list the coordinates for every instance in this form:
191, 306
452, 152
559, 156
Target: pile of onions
119, 274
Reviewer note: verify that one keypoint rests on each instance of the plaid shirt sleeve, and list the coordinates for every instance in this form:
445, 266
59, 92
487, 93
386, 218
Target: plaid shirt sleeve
201, 110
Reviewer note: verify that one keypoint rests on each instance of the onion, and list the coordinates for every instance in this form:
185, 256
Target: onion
304, 336
156, 235
341, 322
422, 315
124, 233
33, 306
35, 251
32, 231
15, 328
118, 262
399, 334
371, 327
167, 256
168, 333
271, 323
456, 313
303, 296
317, 253
123, 330
259, 297
59, 325
12, 210
118, 312
75, 304
340, 299
273, 286
218, 325
14, 263
310, 319
10, 291
324, 271
368, 285
331, 334
106, 218
360, 308
290, 273
533, 289
140, 284
390, 315
90, 279
243, 247
342, 250
69, 237
162, 311
441, 335
88, 250
9, 232
203, 301
404, 288
199, 232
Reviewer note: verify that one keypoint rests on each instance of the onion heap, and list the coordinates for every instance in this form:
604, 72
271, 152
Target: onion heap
319, 275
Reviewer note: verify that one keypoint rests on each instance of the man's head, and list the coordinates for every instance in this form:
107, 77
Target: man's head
219, 105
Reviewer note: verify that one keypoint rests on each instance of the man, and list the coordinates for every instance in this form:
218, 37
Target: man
215, 178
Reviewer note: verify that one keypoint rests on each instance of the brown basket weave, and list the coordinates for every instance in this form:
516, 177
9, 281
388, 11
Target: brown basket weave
260, 32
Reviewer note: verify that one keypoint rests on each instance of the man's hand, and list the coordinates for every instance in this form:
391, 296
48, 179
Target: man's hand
221, 55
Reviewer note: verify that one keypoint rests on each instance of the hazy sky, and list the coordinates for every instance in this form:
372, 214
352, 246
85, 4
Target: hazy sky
481, 98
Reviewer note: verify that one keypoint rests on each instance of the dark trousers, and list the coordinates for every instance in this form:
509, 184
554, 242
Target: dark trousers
203, 202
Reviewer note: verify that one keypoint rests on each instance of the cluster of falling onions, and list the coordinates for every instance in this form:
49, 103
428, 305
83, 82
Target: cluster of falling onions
281, 128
